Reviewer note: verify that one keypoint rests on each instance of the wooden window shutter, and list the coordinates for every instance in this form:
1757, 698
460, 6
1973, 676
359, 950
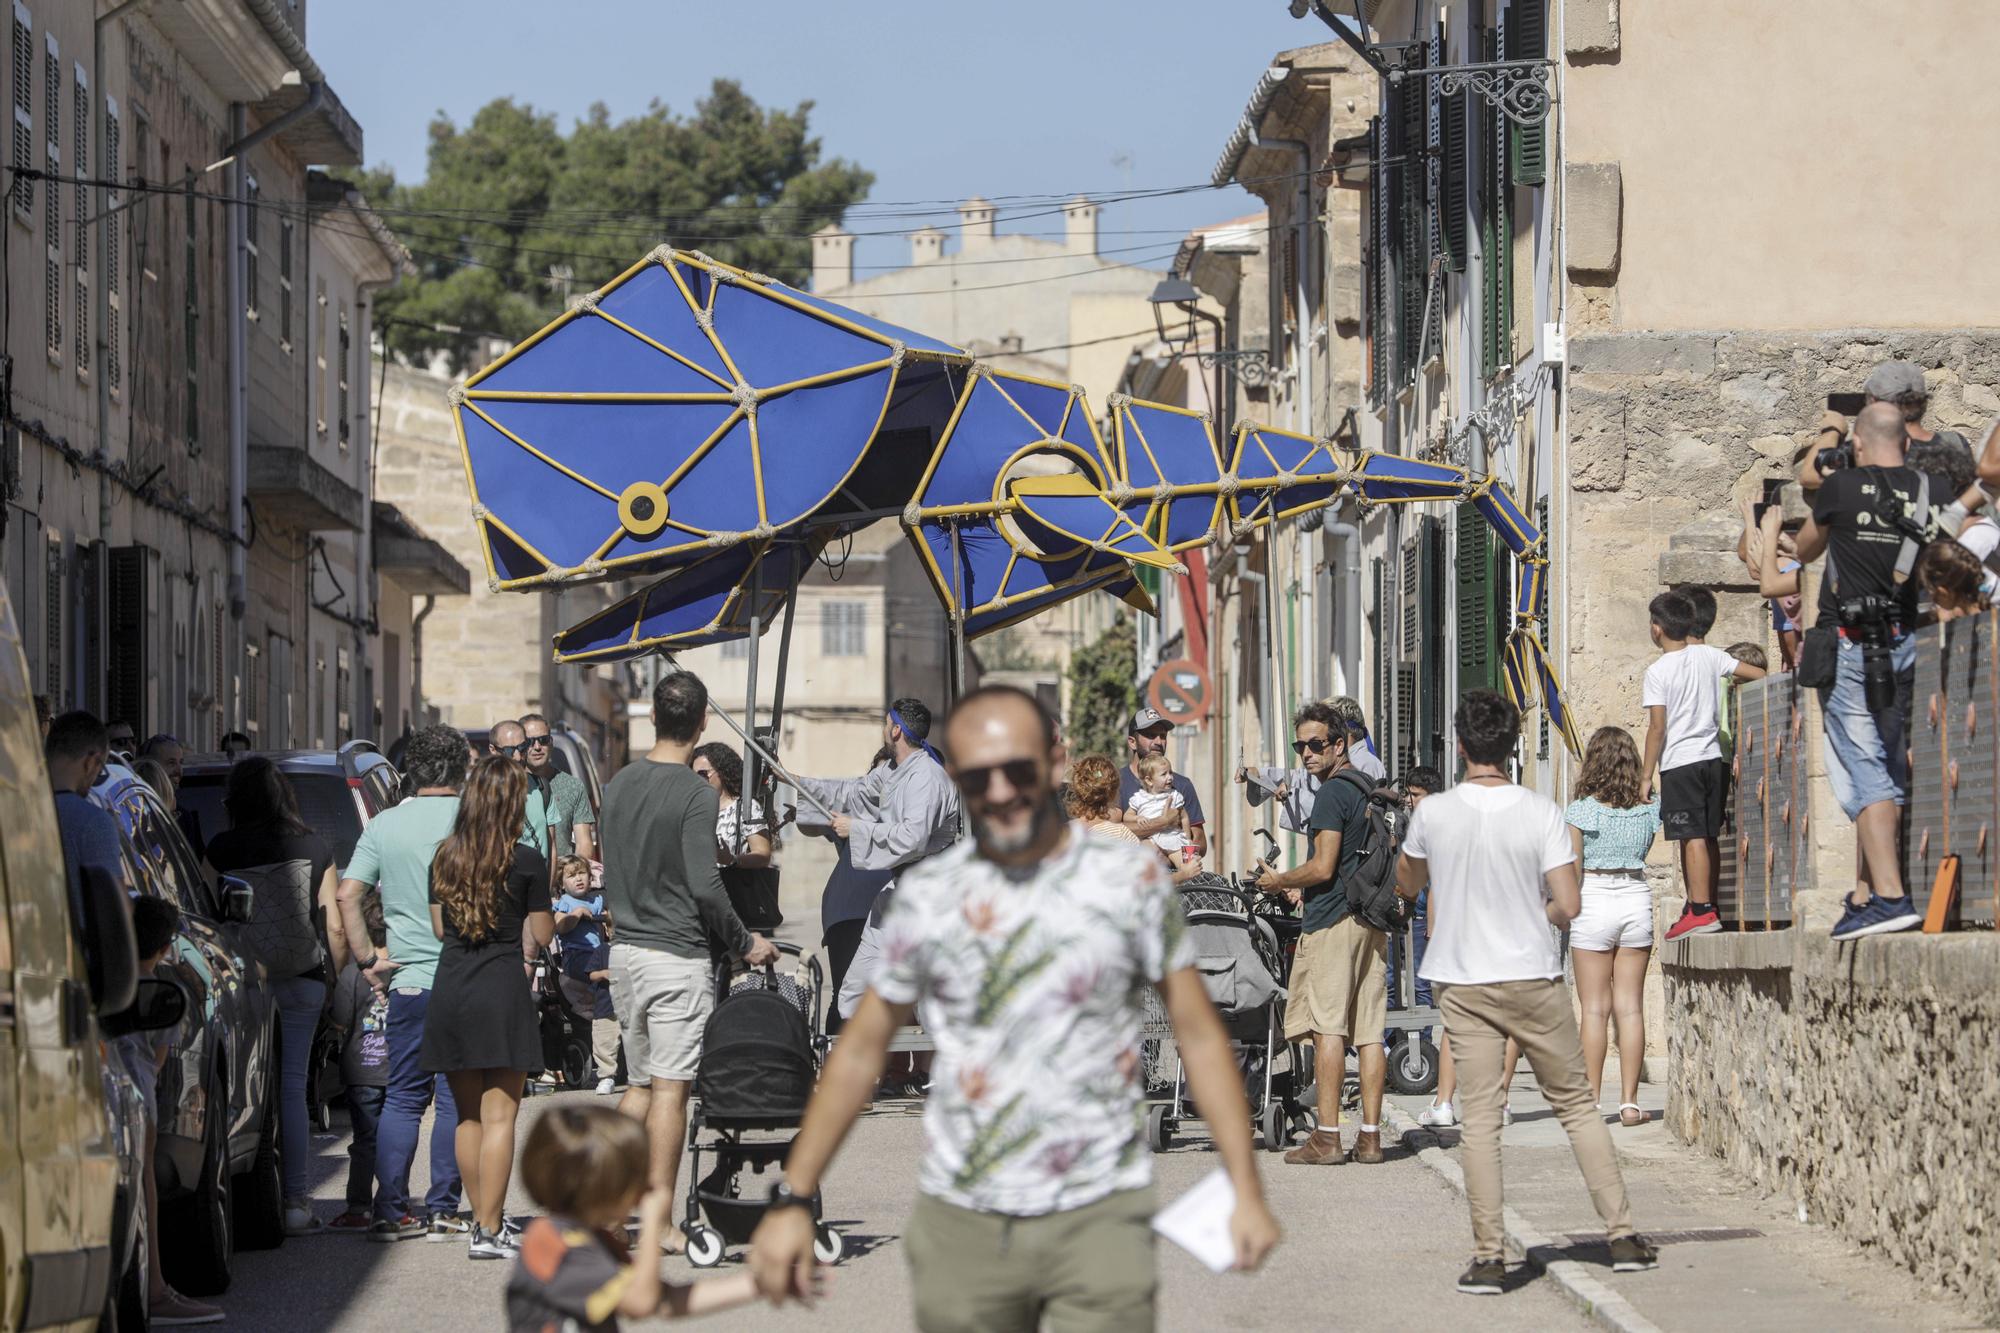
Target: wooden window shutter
1410, 234
1496, 230
1384, 649
1378, 262
1453, 205
1478, 640
1527, 39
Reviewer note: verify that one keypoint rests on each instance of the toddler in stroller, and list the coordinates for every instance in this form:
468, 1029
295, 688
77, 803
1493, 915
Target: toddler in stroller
760, 1055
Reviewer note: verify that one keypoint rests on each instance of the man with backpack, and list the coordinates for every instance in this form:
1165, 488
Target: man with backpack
1338, 992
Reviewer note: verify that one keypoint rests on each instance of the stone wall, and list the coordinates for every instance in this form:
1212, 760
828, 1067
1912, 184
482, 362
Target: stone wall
1857, 1079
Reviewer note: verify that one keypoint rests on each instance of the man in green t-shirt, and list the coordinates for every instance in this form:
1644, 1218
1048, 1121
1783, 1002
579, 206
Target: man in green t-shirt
393, 856
571, 821
1339, 993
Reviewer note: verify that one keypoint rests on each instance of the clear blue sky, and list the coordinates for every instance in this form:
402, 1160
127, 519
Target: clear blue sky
939, 100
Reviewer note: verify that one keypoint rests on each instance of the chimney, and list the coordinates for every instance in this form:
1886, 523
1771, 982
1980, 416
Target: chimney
1080, 215
926, 244
975, 224
833, 259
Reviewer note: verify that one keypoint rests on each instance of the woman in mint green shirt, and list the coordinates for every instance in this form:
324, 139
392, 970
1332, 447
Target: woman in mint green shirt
1612, 829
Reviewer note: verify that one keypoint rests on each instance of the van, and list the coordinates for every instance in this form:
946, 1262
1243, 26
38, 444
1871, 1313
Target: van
65, 962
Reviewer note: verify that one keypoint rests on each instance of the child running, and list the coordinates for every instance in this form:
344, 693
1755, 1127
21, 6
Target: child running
588, 1166
1156, 796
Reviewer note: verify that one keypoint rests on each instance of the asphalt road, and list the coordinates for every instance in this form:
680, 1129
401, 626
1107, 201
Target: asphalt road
1364, 1246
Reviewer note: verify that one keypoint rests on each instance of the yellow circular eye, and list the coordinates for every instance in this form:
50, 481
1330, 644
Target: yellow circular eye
642, 509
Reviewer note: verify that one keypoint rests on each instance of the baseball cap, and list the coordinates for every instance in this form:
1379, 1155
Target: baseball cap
1895, 379
1145, 720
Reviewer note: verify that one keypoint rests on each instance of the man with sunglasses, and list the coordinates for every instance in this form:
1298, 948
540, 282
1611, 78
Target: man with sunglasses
572, 825
1338, 992
509, 740
1028, 948
887, 820
1144, 737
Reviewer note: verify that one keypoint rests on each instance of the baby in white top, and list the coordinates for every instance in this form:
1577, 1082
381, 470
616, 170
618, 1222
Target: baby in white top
1156, 796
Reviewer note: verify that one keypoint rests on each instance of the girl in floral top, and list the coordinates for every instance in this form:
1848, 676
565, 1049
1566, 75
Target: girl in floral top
1611, 939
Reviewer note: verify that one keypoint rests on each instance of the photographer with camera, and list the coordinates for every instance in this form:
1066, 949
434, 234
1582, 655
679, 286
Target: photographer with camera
1871, 521
1900, 384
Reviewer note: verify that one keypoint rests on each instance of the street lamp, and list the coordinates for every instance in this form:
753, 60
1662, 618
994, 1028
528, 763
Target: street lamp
1179, 293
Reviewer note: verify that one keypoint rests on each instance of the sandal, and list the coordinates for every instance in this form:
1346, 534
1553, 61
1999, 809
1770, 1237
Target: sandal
1626, 1110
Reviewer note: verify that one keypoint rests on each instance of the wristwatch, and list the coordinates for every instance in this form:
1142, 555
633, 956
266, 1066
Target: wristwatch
782, 1197
363, 964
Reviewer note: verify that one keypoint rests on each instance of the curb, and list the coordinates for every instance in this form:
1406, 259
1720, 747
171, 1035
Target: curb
1605, 1307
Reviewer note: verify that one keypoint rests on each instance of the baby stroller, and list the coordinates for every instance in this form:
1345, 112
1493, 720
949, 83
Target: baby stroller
1244, 968
565, 1032
760, 1055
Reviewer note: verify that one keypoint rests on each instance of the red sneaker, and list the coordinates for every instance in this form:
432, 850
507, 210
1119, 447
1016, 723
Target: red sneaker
1696, 919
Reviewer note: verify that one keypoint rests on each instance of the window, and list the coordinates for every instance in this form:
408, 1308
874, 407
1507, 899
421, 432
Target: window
285, 287
345, 352
252, 214
191, 323
54, 598
319, 356
114, 244
52, 293
24, 110
79, 142
1527, 39
1479, 619
842, 629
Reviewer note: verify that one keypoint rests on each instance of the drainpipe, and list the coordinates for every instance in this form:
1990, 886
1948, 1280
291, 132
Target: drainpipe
365, 598
417, 658
1347, 608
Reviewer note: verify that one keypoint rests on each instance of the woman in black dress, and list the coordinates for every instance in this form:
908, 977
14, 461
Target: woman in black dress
481, 1031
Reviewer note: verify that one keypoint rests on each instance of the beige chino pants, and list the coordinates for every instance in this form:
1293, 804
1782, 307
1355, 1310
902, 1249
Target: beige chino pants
1537, 1015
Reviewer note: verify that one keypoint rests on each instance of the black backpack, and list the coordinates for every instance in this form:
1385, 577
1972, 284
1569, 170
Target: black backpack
1371, 884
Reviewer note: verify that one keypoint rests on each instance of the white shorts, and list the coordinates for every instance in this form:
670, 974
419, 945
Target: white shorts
663, 1003
1617, 914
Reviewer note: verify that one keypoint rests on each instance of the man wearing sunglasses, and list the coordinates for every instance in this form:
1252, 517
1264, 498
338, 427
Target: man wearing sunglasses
572, 825
1144, 737
1029, 948
1338, 992
509, 740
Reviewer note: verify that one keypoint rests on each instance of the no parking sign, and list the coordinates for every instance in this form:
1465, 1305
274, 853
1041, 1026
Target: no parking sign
1180, 691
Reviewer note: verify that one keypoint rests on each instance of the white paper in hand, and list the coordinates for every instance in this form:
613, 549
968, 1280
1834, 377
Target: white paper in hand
1198, 1221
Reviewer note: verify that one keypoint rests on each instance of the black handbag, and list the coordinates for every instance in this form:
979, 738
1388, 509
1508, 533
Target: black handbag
1819, 658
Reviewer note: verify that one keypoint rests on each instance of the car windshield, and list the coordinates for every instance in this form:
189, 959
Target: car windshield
325, 803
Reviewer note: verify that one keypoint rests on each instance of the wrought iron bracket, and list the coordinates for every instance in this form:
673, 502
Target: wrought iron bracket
1518, 89
1252, 364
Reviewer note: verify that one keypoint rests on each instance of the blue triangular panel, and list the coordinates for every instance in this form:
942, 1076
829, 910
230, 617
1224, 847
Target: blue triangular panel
614, 444
773, 344
651, 303
556, 514
591, 355
812, 438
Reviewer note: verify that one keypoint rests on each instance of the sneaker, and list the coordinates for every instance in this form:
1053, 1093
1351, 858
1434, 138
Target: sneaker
485, 1245
1321, 1148
606, 1086
1696, 919
174, 1310
385, 1230
1438, 1115
1631, 1254
354, 1219
449, 1226
1506, 1116
1486, 1277
1368, 1147
1877, 916
300, 1219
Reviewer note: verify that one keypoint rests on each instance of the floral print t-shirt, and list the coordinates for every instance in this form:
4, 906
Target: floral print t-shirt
1032, 984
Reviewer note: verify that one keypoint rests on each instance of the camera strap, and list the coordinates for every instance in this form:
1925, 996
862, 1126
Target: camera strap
1906, 558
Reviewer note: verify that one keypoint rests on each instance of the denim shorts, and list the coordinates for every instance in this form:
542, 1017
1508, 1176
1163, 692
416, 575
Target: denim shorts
1871, 749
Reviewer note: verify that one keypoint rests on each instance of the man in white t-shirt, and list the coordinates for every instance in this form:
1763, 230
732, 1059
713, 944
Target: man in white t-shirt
1684, 743
1501, 871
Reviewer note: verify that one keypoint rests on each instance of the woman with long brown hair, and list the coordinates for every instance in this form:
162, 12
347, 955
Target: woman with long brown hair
481, 1032
1612, 826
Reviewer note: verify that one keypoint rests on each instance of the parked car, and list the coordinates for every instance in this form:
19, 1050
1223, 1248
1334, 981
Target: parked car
339, 791
220, 1182
68, 1167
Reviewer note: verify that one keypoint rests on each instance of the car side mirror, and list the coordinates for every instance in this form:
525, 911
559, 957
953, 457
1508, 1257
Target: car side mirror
238, 899
157, 1004
111, 954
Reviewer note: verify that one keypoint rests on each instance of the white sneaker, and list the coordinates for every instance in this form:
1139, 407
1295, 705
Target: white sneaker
300, 1220
606, 1086
1438, 1115
1506, 1116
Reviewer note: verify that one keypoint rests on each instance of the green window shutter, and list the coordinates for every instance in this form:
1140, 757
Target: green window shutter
1496, 231
1411, 235
1384, 648
1527, 39
1478, 637
1452, 201
1378, 265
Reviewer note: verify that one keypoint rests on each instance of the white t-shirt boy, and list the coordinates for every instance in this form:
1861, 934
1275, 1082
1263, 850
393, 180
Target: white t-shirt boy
1683, 683
1488, 848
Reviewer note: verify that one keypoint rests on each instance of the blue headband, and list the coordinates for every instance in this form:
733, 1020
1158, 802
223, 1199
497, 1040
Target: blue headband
904, 727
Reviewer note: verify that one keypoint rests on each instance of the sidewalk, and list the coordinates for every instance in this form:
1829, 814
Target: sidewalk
1725, 1252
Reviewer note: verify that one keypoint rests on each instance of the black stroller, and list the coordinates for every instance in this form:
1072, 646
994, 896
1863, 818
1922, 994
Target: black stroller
565, 1033
760, 1056
1245, 966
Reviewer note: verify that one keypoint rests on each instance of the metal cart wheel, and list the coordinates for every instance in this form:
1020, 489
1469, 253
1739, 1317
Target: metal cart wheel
1413, 1068
1159, 1128
828, 1245
704, 1247
1276, 1131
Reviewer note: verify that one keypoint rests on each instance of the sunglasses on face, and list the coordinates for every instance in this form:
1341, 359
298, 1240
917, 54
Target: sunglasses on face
511, 751
704, 773
1317, 745
535, 741
1021, 776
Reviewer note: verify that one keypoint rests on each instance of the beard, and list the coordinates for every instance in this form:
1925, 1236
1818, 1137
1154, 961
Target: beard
995, 841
